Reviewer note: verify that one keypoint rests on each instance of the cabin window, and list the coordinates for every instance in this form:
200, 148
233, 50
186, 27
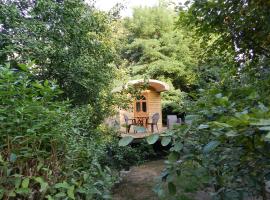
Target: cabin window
141, 105
144, 107
138, 107
140, 98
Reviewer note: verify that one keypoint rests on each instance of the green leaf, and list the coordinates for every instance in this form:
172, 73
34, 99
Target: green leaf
49, 197
2, 192
265, 128
64, 185
23, 67
13, 157
43, 184
152, 138
38, 85
172, 188
22, 191
267, 136
70, 192
219, 95
190, 118
210, 146
173, 156
106, 196
262, 122
125, 141
177, 147
12, 193
220, 124
25, 183
167, 133
165, 141
60, 194
231, 134
17, 182
39, 180
203, 126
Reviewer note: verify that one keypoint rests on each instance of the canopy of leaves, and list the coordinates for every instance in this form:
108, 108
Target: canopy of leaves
241, 25
67, 40
226, 134
156, 50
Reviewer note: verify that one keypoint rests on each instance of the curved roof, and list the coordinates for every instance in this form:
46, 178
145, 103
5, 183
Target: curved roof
159, 86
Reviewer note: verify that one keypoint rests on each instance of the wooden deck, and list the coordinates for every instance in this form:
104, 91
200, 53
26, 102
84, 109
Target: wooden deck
142, 135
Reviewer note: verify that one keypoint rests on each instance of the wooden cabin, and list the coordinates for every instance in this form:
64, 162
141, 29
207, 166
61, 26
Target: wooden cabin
144, 106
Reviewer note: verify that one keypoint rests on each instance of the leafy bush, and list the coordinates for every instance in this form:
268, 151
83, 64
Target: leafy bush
228, 137
227, 132
49, 149
31, 140
69, 42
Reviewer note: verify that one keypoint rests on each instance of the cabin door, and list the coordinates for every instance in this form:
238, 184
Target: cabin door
141, 109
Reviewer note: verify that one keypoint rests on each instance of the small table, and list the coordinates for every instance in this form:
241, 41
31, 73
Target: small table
141, 121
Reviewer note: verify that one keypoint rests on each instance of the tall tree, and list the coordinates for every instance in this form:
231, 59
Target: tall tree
242, 25
69, 41
158, 51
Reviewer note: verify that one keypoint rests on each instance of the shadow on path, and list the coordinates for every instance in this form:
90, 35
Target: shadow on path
137, 184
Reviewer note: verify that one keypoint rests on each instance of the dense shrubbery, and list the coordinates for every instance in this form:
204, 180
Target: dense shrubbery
52, 142
50, 150
226, 135
227, 140
34, 138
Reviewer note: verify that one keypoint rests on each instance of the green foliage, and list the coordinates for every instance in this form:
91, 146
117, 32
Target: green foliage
168, 55
165, 141
225, 138
69, 42
239, 25
125, 141
49, 150
53, 148
150, 22
46, 143
153, 49
152, 138
57, 150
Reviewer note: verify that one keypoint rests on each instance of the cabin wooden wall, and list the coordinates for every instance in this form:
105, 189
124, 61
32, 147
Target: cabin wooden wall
154, 106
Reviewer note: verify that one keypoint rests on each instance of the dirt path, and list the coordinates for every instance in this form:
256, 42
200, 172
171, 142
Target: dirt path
137, 184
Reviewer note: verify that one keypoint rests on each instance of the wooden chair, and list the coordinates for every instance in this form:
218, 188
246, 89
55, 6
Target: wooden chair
154, 122
128, 125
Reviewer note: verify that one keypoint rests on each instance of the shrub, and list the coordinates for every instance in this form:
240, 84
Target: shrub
48, 150
228, 137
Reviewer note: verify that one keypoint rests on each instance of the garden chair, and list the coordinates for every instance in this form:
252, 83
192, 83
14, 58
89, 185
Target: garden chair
154, 122
128, 124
